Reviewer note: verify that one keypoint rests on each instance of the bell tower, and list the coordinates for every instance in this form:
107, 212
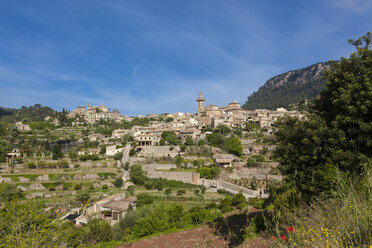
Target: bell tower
200, 102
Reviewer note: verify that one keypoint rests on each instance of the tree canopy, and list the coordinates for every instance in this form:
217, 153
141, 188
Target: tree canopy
315, 153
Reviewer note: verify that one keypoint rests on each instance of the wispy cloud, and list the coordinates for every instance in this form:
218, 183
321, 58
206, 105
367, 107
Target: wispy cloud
356, 6
150, 57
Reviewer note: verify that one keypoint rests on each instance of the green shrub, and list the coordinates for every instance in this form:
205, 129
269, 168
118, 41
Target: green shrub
238, 199
168, 191
66, 186
118, 155
31, 165
181, 191
137, 175
77, 186
210, 172
259, 158
144, 199
105, 175
118, 183
131, 189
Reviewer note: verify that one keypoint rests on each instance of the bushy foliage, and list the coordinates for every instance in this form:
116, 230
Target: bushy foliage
137, 175
150, 220
118, 183
29, 225
238, 200
131, 189
316, 153
86, 157
118, 155
210, 172
170, 137
57, 153
216, 139
32, 113
326, 161
189, 141
144, 199
234, 146
346, 106
178, 161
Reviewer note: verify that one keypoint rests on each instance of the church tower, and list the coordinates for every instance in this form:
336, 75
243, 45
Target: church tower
200, 101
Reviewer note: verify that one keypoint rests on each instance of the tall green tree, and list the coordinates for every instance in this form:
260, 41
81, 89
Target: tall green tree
234, 146
137, 175
56, 151
346, 105
315, 153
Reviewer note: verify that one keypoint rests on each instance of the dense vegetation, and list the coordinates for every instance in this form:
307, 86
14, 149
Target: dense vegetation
327, 161
232, 145
32, 113
289, 88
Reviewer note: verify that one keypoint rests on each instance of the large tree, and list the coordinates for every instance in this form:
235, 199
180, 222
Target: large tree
336, 138
137, 175
346, 105
234, 146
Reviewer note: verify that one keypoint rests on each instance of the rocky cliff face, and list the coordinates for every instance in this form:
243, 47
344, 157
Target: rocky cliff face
289, 88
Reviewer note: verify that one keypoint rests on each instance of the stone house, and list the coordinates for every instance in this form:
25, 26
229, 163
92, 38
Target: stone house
22, 127
111, 150
119, 133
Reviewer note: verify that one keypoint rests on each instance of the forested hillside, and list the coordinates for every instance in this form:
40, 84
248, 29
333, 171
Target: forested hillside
32, 113
288, 88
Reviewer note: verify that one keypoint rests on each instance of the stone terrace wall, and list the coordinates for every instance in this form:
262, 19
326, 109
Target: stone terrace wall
159, 151
186, 177
258, 173
235, 189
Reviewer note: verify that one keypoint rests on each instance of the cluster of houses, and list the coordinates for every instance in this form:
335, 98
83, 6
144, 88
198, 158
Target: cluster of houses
183, 124
233, 115
93, 113
186, 124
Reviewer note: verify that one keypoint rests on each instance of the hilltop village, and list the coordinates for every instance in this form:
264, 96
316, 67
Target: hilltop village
93, 163
184, 124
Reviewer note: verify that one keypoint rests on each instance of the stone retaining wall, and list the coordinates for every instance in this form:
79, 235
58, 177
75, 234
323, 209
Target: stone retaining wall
236, 189
186, 177
258, 173
159, 151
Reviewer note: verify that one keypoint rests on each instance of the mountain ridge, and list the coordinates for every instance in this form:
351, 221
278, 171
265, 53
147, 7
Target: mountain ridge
289, 88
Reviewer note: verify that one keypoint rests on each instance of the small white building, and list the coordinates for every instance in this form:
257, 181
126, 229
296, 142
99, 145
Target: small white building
111, 150
22, 127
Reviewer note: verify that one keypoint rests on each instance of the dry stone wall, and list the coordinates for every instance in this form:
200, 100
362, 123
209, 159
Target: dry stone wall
159, 151
258, 173
186, 177
235, 189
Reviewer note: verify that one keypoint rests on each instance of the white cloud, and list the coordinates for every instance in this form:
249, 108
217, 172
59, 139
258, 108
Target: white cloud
356, 6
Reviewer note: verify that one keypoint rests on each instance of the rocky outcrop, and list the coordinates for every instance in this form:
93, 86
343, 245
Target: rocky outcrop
289, 88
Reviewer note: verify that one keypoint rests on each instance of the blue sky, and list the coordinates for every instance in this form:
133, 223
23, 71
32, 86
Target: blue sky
145, 57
